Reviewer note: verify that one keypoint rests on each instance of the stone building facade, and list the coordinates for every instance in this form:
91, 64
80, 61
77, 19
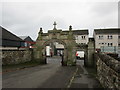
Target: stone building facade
106, 37
81, 36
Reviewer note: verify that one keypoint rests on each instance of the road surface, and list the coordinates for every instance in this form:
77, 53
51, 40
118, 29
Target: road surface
51, 75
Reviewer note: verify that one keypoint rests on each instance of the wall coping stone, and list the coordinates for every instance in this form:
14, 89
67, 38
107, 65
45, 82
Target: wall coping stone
109, 61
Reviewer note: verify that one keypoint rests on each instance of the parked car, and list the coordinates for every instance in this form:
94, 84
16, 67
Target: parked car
80, 55
48, 51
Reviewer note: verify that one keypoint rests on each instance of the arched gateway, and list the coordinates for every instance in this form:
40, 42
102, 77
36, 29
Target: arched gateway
65, 38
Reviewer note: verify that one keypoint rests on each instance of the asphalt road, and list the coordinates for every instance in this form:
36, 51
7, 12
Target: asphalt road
51, 75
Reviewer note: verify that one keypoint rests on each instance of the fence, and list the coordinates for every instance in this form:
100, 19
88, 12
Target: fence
107, 49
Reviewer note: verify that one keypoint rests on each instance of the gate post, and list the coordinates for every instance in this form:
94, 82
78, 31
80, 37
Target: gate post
91, 51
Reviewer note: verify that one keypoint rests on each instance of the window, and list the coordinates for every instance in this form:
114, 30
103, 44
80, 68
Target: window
76, 37
102, 43
83, 37
101, 37
119, 37
82, 43
110, 44
110, 37
29, 44
25, 44
119, 45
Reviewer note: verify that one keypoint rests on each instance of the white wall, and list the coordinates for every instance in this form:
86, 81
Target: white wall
105, 40
79, 39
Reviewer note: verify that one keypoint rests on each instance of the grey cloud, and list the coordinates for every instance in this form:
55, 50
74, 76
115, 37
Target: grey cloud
27, 18
119, 14
104, 8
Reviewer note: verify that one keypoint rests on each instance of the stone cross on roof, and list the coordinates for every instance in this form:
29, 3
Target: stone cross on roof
55, 26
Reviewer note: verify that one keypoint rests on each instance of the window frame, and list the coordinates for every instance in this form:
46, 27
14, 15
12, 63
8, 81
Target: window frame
83, 37
118, 37
109, 37
100, 37
110, 44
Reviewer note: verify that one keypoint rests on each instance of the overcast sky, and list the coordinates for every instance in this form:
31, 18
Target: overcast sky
25, 18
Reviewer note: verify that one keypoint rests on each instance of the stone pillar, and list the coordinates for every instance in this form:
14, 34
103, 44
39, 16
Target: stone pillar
86, 56
91, 51
39, 52
40, 34
71, 53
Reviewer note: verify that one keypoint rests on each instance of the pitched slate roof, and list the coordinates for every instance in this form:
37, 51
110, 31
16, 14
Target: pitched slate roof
26, 38
77, 32
107, 31
7, 35
80, 32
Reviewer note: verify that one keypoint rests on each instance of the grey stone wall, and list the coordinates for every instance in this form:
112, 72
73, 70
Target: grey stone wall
108, 71
15, 56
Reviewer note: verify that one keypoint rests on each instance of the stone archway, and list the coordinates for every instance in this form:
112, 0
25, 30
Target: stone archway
85, 49
59, 36
65, 53
68, 40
